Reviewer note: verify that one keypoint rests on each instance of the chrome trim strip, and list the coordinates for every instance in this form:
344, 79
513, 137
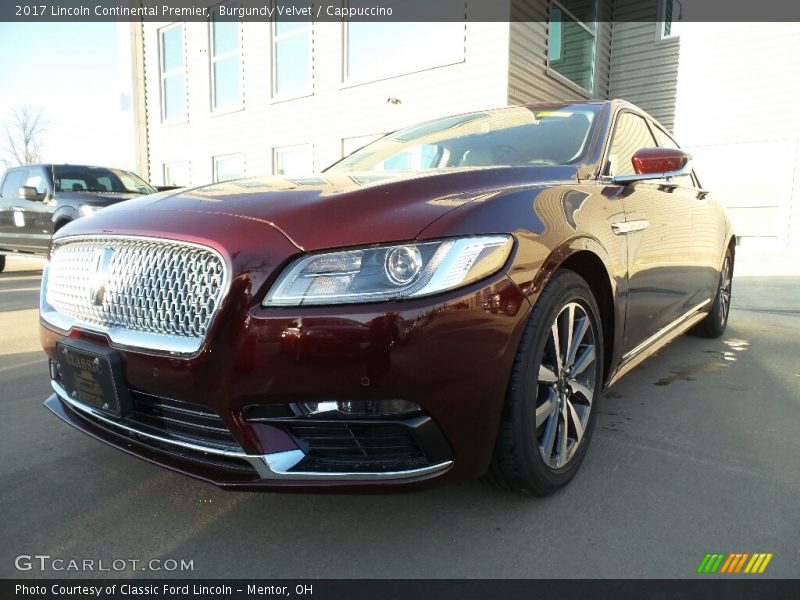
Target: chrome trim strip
623, 227
218, 451
664, 331
128, 339
686, 170
274, 466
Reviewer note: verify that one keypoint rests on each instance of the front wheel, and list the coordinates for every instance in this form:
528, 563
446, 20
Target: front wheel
557, 376
2, 263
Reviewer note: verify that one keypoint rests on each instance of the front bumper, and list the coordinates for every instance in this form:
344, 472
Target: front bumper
451, 355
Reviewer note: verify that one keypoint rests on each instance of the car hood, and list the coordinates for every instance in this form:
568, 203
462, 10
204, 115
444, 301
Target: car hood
339, 209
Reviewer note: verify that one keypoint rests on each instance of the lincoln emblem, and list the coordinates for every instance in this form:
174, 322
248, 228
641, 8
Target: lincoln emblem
102, 264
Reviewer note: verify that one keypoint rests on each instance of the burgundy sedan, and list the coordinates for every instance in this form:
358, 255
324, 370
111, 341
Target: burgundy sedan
446, 302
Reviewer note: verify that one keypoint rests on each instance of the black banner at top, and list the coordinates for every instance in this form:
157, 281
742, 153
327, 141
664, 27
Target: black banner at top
395, 10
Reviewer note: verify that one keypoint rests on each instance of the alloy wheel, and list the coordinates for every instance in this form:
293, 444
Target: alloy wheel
566, 383
725, 282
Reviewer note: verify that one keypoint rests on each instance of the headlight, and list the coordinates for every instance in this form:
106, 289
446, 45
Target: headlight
392, 272
87, 210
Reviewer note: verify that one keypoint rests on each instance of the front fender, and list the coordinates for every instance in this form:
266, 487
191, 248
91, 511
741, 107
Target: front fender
64, 213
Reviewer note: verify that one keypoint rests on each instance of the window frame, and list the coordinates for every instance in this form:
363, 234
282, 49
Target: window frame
163, 75
40, 171
350, 81
275, 39
215, 171
166, 165
277, 149
605, 163
550, 70
662, 22
374, 137
212, 60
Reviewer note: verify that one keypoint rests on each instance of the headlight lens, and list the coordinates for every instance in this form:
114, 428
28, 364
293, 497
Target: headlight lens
389, 272
87, 210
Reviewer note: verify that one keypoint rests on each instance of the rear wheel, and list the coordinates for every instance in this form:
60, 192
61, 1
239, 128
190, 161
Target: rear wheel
550, 411
2, 263
716, 321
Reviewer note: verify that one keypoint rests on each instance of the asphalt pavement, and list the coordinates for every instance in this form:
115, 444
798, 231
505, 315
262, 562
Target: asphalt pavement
696, 451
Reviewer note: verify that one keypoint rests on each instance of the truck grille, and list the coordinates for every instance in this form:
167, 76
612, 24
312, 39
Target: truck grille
142, 285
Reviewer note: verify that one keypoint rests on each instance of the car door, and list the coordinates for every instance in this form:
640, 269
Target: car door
708, 226
659, 236
38, 227
12, 219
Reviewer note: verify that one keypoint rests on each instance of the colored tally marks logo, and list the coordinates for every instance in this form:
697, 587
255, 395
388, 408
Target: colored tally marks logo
735, 562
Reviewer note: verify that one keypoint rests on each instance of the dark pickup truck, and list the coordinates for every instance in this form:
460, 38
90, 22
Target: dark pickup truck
38, 200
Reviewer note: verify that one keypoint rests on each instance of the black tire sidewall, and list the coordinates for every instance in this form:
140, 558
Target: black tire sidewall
566, 288
712, 326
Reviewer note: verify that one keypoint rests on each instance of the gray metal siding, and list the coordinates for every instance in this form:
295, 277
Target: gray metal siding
528, 76
644, 68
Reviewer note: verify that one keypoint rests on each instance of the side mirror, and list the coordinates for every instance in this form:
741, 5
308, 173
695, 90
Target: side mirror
657, 163
27, 192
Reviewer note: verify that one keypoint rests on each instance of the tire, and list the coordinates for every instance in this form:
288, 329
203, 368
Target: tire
2, 263
715, 323
60, 224
530, 456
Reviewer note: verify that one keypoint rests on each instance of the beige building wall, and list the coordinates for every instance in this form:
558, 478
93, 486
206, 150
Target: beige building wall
729, 93
737, 111
334, 112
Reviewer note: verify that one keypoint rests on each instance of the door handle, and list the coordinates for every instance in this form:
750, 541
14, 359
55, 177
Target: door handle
623, 227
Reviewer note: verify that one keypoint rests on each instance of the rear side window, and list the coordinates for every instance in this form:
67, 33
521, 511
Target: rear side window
12, 183
664, 141
630, 134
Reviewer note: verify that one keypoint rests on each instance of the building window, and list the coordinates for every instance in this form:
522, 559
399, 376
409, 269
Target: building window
226, 67
177, 173
572, 41
351, 144
378, 50
668, 14
293, 160
228, 166
173, 76
292, 60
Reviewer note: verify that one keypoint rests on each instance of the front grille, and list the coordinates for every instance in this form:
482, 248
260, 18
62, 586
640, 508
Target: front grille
183, 420
138, 284
332, 446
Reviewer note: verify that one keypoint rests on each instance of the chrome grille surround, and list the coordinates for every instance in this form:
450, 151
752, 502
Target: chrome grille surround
147, 293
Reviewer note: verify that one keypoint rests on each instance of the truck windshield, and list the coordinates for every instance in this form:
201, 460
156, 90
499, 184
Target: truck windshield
514, 136
71, 178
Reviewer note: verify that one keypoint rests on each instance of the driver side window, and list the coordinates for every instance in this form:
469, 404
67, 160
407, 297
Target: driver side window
35, 178
630, 134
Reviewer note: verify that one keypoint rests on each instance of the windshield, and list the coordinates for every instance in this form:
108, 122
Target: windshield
515, 136
71, 178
